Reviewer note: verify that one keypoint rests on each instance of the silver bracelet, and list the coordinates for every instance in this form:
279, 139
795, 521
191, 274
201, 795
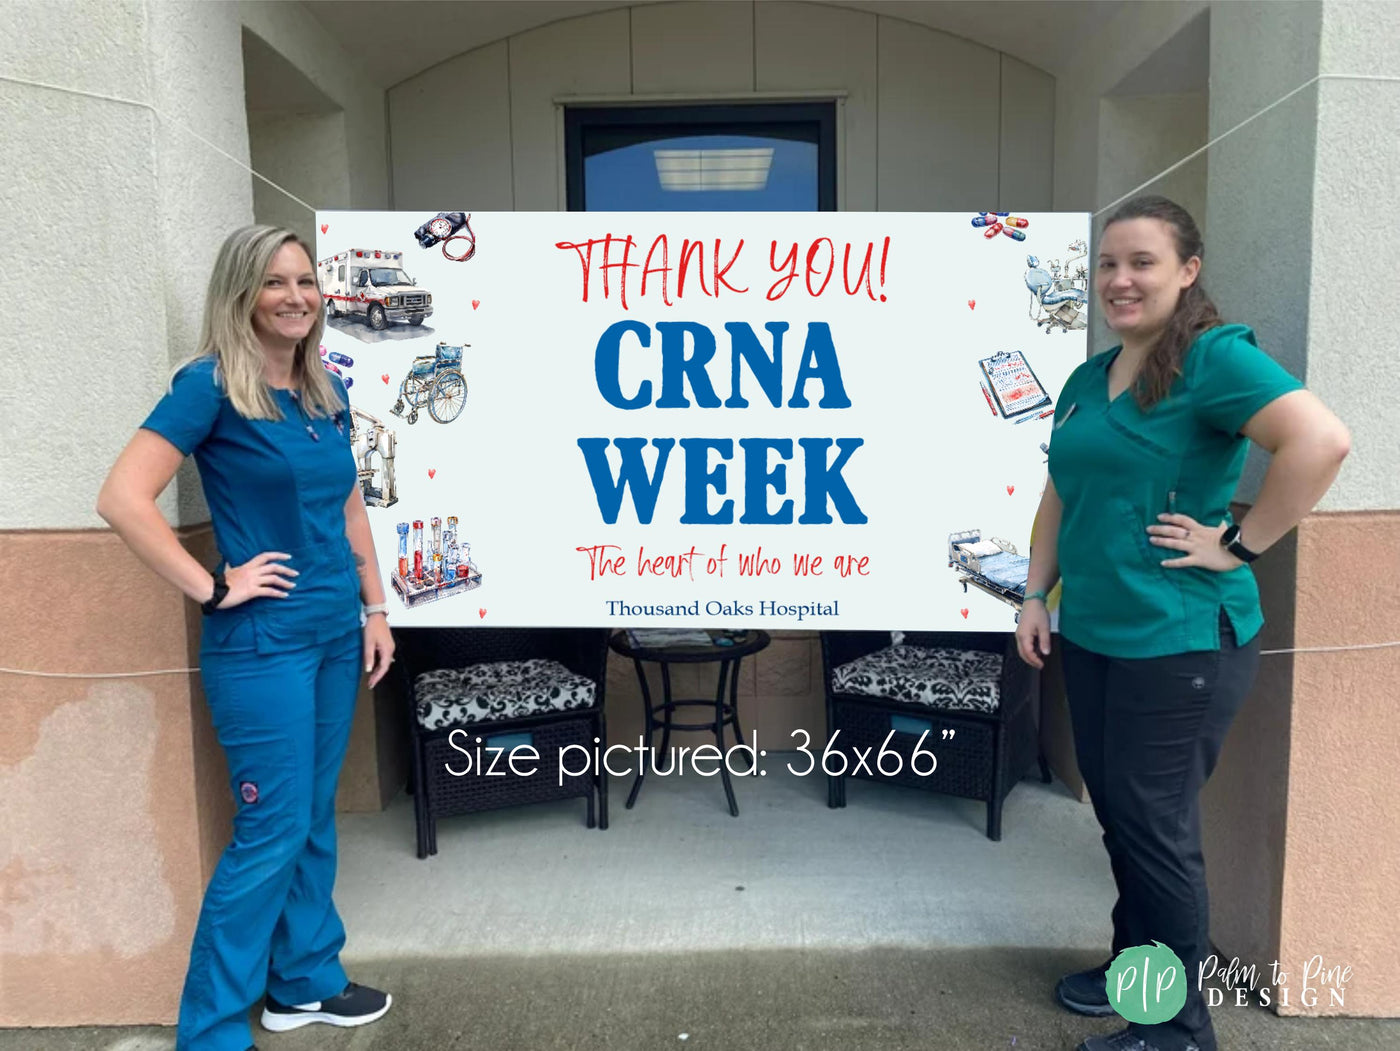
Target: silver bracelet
370, 608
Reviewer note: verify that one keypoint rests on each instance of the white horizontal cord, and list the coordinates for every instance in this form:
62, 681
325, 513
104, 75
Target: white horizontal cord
1333, 649
256, 174
161, 117
1277, 102
96, 674
191, 671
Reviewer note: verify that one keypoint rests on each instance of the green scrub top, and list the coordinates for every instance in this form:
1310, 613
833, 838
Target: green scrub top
1117, 468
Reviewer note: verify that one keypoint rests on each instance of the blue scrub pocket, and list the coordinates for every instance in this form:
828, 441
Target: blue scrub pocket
229, 631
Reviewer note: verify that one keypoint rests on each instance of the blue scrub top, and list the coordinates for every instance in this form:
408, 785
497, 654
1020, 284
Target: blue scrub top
1116, 468
270, 486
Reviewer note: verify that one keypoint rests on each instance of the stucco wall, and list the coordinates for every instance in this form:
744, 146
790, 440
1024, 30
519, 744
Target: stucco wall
928, 120
122, 212
1120, 45
1261, 177
305, 150
1140, 135
115, 807
81, 218
1352, 327
1339, 892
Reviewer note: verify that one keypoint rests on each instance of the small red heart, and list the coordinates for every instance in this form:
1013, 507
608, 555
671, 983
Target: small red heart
481, 613
432, 472
476, 303
325, 227
972, 304
1010, 489
385, 377
964, 613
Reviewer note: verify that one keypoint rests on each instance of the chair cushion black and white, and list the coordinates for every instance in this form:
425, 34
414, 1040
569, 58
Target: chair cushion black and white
966, 680
498, 690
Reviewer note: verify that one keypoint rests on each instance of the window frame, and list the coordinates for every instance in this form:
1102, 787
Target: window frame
698, 118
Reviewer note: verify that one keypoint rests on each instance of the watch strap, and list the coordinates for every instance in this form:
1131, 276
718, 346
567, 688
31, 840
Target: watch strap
220, 593
1230, 541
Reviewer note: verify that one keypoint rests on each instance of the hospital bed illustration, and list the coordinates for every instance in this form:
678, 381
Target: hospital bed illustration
992, 566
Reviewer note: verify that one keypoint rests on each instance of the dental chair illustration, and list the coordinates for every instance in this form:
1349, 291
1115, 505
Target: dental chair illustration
1059, 294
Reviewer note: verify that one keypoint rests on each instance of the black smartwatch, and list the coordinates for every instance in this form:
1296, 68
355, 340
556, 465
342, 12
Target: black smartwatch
220, 593
1230, 541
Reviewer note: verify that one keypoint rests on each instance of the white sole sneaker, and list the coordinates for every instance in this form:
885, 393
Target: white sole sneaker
281, 1022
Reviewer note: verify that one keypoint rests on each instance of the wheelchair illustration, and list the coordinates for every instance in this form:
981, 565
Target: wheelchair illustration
434, 382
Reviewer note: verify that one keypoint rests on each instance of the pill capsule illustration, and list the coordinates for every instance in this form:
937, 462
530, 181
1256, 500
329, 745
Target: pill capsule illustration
332, 368
341, 359
1001, 213
1017, 221
349, 382
1013, 233
992, 231
323, 350
984, 220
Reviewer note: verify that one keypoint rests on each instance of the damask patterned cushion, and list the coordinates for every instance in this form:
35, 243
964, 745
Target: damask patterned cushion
966, 680
499, 690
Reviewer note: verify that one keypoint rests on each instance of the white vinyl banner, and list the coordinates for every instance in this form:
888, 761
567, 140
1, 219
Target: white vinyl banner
778, 420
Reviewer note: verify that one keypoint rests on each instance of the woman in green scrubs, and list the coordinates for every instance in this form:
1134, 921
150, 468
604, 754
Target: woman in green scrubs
1159, 612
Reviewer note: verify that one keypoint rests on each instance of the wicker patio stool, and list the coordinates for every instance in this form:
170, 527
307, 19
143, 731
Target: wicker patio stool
497, 690
966, 694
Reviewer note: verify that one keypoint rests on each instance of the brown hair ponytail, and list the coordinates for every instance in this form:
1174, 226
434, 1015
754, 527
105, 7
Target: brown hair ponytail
1194, 313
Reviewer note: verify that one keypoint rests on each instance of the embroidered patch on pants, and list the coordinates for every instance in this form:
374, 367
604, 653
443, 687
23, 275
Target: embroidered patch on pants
249, 791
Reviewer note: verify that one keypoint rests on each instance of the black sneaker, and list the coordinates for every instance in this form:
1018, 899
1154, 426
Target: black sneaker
1125, 1040
1086, 992
356, 1005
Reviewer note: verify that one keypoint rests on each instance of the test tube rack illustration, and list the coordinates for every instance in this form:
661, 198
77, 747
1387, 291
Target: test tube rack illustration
433, 565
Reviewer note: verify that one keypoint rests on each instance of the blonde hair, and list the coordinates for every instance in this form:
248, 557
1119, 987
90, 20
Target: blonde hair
228, 337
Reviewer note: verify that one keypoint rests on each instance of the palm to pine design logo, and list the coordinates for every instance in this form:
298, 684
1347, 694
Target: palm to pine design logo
1147, 984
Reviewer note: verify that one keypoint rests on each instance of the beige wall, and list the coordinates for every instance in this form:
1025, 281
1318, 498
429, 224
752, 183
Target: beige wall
1299, 831
1303, 803
116, 806
926, 120
99, 873
1340, 855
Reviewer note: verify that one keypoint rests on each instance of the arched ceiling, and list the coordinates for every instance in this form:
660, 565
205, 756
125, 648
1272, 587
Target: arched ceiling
395, 41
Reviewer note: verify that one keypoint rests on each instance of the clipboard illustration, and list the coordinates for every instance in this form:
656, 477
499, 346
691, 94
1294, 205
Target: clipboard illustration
1013, 384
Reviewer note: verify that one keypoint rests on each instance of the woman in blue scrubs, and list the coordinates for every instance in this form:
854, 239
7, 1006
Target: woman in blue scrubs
294, 616
1159, 611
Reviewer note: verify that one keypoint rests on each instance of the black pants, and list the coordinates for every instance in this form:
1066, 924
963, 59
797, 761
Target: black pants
1147, 733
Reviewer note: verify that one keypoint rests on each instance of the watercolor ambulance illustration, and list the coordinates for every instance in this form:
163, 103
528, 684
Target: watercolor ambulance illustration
370, 284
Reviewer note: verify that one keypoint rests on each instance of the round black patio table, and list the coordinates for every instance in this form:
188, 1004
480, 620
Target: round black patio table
726, 648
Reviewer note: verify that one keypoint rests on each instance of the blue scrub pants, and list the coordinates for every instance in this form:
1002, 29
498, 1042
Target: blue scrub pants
267, 923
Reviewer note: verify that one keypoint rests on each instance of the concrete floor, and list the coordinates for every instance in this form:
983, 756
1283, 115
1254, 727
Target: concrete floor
892, 925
